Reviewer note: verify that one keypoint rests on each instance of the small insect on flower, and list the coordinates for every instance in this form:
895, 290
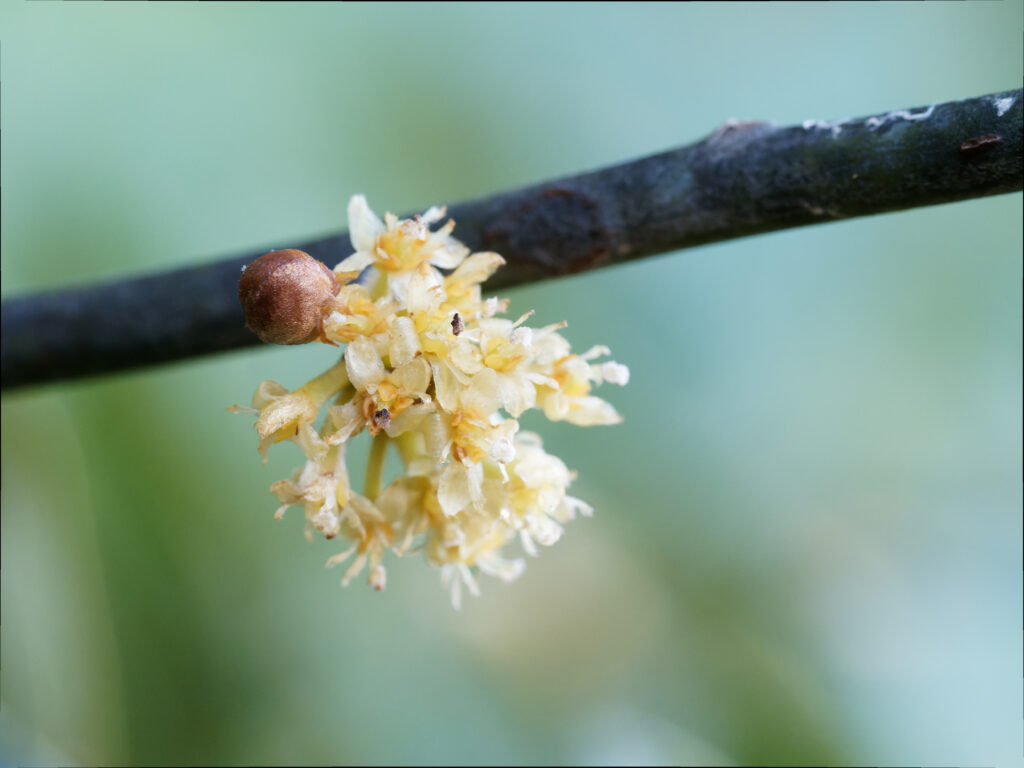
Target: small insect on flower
430, 368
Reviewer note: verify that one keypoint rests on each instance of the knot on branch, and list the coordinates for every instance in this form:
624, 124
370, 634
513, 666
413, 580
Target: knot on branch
557, 229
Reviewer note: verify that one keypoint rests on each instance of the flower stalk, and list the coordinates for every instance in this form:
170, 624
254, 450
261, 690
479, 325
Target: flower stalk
375, 465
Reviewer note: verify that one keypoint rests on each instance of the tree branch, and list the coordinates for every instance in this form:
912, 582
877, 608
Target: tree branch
746, 178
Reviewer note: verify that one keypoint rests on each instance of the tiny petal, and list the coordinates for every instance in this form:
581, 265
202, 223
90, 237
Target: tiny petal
425, 290
483, 395
267, 392
503, 450
518, 394
284, 412
353, 570
506, 570
466, 357
404, 343
545, 530
589, 411
453, 489
523, 336
476, 269
414, 376
341, 557
363, 363
347, 419
357, 262
452, 535
433, 214
615, 373
364, 225
327, 522
446, 386
574, 506
596, 351
449, 256
378, 578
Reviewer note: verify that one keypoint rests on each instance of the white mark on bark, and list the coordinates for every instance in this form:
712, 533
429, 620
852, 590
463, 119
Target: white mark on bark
836, 126
873, 123
1002, 105
817, 210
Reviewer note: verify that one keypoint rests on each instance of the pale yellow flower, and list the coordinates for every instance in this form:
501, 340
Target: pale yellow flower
397, 247
322, 487
431, 369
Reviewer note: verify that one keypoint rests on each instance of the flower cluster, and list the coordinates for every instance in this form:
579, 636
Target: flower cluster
430, 368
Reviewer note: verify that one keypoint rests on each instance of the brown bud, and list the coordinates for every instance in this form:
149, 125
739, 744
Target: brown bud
282, 294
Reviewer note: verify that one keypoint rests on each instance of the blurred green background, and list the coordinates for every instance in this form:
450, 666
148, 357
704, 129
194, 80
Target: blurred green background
807, 539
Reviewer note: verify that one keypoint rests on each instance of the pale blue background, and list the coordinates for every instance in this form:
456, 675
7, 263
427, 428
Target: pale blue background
806, 545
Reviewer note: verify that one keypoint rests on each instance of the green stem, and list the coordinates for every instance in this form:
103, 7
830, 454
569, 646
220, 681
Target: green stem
327, 383
375, 465
407, 447
380, 285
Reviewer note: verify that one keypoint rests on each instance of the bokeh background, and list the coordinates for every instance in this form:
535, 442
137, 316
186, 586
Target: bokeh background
807, 539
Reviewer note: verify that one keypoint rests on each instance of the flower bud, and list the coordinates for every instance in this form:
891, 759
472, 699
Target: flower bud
282, 294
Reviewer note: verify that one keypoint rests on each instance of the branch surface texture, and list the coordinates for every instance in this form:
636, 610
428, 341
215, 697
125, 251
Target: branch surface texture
743, 179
